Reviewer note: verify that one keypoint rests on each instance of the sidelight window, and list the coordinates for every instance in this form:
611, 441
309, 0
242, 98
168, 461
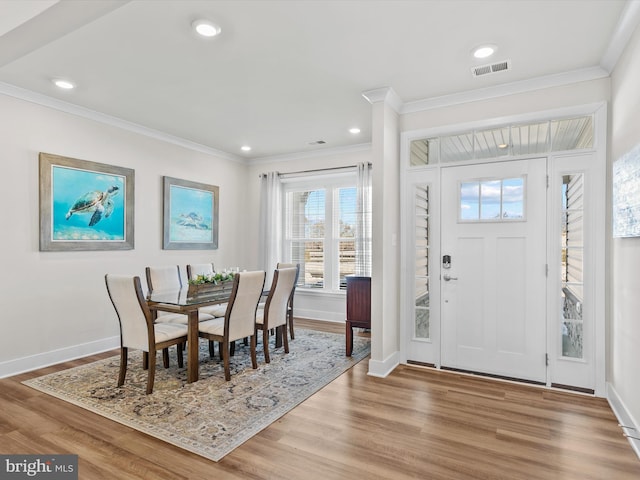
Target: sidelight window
422, 262
572, 263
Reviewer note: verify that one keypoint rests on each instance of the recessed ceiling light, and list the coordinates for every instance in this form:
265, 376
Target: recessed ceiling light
484, 51
354, 130
503, 145
206, 28
64, 84
245, 148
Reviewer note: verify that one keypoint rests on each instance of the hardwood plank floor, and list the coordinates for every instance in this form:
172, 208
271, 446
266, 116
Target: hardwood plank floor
416, 423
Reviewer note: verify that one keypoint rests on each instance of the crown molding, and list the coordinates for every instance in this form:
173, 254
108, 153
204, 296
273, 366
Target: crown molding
386, 95
54, 103
627, 23
361, 147
506, 89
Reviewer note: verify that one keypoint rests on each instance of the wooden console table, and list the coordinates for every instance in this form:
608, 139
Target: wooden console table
358, 306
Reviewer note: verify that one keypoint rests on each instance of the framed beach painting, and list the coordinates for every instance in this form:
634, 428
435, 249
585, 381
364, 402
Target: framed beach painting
85, 205
190, 215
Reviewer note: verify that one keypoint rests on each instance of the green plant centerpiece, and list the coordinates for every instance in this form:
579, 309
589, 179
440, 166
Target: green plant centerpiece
210, 283
217, 278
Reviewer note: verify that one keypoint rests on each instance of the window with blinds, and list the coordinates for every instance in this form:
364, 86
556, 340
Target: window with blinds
421, 201
306, 215
572, 265
320, 233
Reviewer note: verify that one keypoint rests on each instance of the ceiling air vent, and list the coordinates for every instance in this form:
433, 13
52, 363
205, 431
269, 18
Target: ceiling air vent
481, 70
317, 142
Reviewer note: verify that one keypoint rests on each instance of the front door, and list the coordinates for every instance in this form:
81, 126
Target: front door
493, 268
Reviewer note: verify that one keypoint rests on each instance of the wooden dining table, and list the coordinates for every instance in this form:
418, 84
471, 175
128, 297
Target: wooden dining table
188, 303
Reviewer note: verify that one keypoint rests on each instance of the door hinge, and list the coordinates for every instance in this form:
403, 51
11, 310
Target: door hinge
547, 181
546, 359
546, 269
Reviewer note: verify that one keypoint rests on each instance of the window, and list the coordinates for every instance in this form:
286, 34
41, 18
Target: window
320, 230
572, 236
422, 239
505, 140
492, 200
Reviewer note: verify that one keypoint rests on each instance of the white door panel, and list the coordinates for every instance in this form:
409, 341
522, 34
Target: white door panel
493, 308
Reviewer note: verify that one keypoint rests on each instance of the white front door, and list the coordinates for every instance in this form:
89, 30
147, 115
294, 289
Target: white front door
493, 306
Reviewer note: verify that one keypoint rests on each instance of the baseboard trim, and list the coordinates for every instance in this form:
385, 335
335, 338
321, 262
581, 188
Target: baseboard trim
383, 368
41, 360
320, 315
625, 419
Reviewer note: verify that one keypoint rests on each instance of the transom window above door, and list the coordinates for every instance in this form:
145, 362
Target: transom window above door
505, 141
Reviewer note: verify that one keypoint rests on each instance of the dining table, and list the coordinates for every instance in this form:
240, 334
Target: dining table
188, 302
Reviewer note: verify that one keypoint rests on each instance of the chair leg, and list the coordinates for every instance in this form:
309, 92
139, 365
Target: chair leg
212, 349
290, 314
165, 357
180, 355
145, 360
124, 352
254, 358
225, 360
232, 350
265, 344
152, 371
285, 338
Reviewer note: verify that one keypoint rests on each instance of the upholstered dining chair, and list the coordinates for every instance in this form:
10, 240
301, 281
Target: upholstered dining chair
274, 315
290, 306
137, 329
239, 320
195, 269
169, 278
165, 278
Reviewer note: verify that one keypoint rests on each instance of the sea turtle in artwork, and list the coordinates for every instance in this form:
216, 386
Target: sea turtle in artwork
99, 203
192, 220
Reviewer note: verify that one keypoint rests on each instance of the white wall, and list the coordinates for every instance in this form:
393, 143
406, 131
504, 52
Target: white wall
316, 305
54, 304
624, 329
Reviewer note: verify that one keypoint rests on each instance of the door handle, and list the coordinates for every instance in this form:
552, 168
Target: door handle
447, 278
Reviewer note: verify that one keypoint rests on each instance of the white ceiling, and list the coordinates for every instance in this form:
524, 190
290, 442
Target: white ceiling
286, 73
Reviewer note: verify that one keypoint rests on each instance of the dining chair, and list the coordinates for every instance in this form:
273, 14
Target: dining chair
274, 315
168, 278
137, 329
239, 320
293, 291
195, 269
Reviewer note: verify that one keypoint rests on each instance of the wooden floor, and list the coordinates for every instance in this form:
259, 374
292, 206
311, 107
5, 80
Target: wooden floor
416, 423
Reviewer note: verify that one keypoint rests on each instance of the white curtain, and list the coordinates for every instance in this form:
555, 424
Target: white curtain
363, 221
270, 223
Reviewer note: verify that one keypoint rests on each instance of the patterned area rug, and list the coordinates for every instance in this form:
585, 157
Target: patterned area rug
210, 417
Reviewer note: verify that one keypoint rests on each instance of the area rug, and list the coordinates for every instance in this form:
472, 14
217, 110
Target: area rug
210, 417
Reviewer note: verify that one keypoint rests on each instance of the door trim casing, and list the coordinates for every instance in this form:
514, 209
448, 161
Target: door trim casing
599, 235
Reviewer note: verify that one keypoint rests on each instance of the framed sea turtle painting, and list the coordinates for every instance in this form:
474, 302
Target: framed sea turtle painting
85, 205
190, 215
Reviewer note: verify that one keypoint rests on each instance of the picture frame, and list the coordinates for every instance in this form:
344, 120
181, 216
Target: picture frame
190, 215
85, 205
626, 195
